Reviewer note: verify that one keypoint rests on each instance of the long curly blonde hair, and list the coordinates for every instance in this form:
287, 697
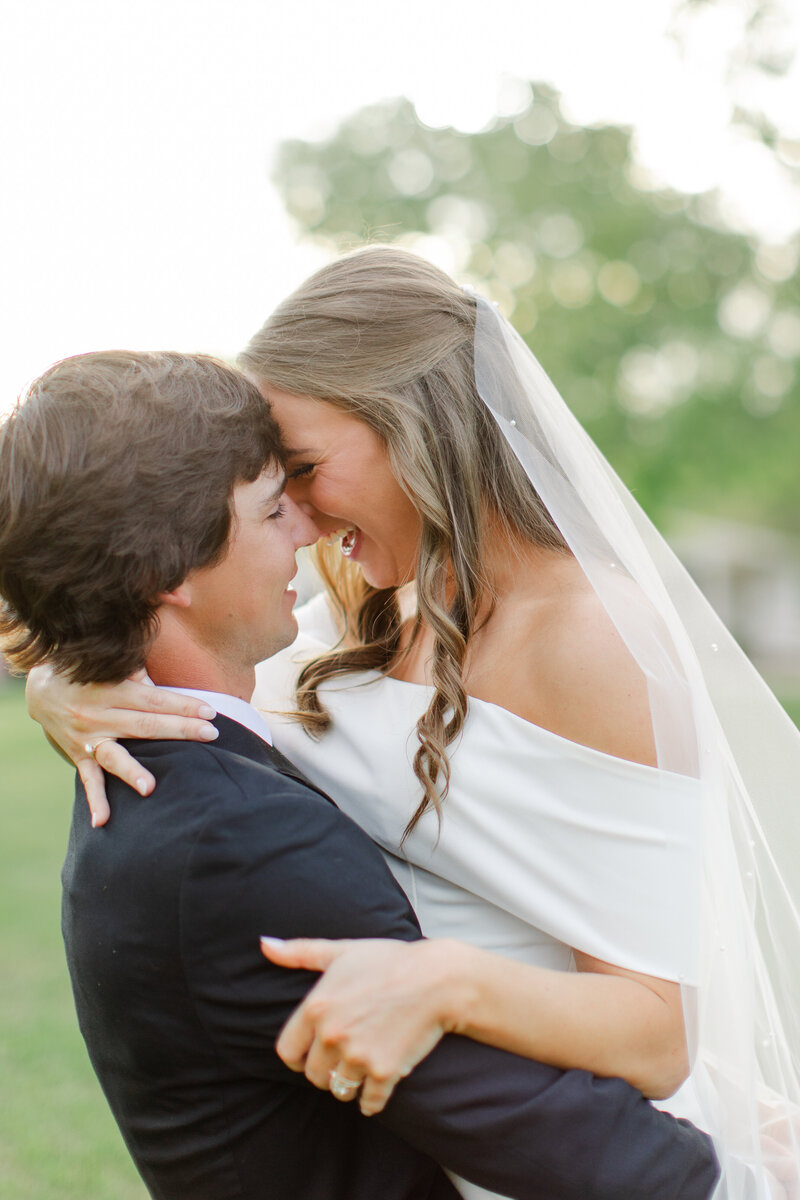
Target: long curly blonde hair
388, 338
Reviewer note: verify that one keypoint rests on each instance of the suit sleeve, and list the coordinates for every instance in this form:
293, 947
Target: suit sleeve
297, 867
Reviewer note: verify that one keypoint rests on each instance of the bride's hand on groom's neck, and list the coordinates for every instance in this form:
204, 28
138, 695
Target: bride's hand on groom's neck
84, 721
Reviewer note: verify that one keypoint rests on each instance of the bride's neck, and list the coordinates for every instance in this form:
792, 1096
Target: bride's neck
514, 571
509, 566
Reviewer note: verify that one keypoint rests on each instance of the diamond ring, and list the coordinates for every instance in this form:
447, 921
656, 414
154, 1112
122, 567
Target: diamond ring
341, 1087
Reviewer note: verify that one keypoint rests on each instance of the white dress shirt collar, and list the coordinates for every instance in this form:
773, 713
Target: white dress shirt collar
230, 706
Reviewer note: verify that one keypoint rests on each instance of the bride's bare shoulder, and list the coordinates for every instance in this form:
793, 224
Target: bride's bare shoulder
580, 678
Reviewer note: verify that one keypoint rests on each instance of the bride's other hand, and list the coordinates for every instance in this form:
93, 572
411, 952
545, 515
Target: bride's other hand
83, 722
375, 1013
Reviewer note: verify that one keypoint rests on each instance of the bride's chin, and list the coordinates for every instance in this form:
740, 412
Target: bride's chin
383, 580
382, 572
377, 577
377, 581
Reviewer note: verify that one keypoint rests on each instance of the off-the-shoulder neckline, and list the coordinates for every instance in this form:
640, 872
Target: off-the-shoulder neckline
529, 727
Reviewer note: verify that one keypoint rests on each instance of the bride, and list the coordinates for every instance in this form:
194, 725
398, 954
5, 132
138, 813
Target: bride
581, 783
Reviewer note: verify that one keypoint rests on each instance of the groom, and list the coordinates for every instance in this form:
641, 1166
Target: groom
142, 520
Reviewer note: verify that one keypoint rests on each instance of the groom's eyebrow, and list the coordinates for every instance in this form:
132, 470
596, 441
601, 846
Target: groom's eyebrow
275, 494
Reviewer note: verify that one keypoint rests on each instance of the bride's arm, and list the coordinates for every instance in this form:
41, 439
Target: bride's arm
76, 717
381, 1006
605, 1019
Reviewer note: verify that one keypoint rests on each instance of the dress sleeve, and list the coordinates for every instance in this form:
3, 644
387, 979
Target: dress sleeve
603, 856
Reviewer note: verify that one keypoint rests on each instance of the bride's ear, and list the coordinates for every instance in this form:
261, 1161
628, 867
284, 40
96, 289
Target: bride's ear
179, 597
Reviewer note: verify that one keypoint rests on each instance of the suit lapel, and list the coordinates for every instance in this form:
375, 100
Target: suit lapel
237, 739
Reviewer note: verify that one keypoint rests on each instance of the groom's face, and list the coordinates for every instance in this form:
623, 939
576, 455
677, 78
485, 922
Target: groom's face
241, 608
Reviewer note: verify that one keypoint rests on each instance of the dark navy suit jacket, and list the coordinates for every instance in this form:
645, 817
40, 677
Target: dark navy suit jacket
162, 912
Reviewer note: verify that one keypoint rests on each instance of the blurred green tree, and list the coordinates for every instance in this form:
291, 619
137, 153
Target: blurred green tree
761, 56
674, 339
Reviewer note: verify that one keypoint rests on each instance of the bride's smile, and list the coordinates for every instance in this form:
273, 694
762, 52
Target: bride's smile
339, 473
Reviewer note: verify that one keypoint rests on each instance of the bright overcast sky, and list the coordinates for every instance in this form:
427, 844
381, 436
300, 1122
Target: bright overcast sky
136, 140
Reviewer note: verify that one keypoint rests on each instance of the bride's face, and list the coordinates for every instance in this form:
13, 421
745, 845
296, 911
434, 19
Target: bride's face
339, 474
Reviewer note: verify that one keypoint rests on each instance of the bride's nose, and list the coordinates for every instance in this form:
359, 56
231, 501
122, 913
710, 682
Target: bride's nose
297, 492
324, 524
304, 528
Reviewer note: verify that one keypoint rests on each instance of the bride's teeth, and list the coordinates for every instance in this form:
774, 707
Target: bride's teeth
332, 538
346, 538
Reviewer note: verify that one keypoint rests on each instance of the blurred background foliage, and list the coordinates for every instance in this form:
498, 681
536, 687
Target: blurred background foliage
674, 336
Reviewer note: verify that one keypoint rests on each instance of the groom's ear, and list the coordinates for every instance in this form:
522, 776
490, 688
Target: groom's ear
179, 597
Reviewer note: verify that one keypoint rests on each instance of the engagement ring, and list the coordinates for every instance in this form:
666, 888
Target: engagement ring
341, 1087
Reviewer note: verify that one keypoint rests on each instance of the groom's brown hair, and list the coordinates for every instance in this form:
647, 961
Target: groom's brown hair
116, 476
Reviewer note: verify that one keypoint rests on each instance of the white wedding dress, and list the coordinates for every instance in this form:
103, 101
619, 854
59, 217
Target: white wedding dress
545, 845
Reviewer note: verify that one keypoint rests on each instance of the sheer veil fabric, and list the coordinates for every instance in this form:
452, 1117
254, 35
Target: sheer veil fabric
715, 720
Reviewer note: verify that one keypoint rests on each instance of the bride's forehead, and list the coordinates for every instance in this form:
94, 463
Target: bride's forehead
308, 424
298, 411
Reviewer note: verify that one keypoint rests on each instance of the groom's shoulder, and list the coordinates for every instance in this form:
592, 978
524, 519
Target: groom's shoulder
221, 822
238, 772
219, 810
237, 788
214, 810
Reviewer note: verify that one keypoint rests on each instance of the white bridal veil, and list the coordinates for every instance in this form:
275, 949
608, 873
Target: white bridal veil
715, 720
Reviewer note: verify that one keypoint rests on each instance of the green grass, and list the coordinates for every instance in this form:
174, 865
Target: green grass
58, 1140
